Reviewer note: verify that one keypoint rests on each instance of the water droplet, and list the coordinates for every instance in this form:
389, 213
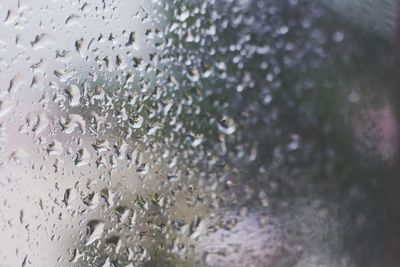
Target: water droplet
73, 19
83, 157
94, 231
137, 122
55, 148
41, 124
74, 95
64, 74
41, 40
101, 146
227, 126
73, 121
20, 154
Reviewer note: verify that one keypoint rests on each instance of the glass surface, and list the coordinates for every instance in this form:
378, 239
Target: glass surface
227, 133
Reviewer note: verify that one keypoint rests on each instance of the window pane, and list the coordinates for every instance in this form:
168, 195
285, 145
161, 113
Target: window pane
198, 133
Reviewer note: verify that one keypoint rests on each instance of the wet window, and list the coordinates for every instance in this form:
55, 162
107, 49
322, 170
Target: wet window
221, 133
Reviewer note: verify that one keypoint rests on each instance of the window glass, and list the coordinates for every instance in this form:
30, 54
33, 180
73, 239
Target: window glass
198, 133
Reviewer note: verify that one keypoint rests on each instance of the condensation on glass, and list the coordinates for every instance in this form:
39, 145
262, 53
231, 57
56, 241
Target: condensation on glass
185, 133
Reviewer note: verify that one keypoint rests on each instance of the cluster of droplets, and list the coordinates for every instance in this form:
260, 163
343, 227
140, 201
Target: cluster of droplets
128, 124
